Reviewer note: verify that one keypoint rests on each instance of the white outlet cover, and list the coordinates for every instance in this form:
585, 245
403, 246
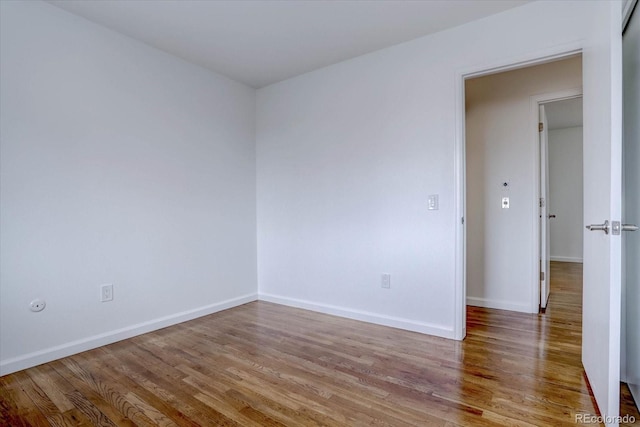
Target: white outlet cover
37, 305
106, 292
386, 280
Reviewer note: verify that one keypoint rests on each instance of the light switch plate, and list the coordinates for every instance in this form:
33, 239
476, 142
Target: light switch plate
433, 203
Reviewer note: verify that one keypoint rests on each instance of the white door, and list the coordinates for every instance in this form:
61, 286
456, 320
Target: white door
601, 308
545, 237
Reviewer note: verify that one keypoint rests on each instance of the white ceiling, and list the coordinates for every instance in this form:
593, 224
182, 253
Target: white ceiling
263, 42
564, 114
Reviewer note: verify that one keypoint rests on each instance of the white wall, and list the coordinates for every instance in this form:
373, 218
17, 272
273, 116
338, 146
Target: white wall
120, 164
348, 154
565, 198
498, 138
631, 292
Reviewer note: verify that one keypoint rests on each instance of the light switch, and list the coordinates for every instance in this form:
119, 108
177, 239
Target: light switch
505, 203
432, 202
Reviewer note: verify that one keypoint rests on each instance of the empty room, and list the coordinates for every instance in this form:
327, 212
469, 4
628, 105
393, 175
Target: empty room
265, 213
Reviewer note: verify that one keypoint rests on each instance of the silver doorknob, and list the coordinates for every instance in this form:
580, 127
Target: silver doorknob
599, 227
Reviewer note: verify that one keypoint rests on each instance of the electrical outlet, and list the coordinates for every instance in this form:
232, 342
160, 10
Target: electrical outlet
386, 281
37, 305
106, 292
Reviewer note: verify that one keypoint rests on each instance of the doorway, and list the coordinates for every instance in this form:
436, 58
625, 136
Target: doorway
561, 183
602, 159
502, 180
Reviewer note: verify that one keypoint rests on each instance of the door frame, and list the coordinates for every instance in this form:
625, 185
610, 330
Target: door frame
535, 101
460, 287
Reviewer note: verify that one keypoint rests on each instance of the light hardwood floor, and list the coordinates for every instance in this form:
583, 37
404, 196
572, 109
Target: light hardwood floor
263, 364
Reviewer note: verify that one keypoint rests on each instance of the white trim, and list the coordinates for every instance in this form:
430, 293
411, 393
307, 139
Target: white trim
557, 53
627, 11
635, 392
365, 316
562, 51
565, 259
500, 305
460, 197
15, 364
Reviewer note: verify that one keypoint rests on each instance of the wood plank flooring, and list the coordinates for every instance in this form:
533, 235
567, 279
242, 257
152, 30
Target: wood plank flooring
263, 364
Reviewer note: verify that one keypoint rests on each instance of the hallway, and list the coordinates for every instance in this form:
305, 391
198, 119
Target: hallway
545, 350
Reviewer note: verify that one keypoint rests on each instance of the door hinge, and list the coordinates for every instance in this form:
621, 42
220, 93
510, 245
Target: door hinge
540, 127
462, 220
542, 202
542, 276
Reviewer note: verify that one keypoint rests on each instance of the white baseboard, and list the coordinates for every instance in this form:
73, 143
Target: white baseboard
635, 392
500, 305
67, 349
365, 316
565, 259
